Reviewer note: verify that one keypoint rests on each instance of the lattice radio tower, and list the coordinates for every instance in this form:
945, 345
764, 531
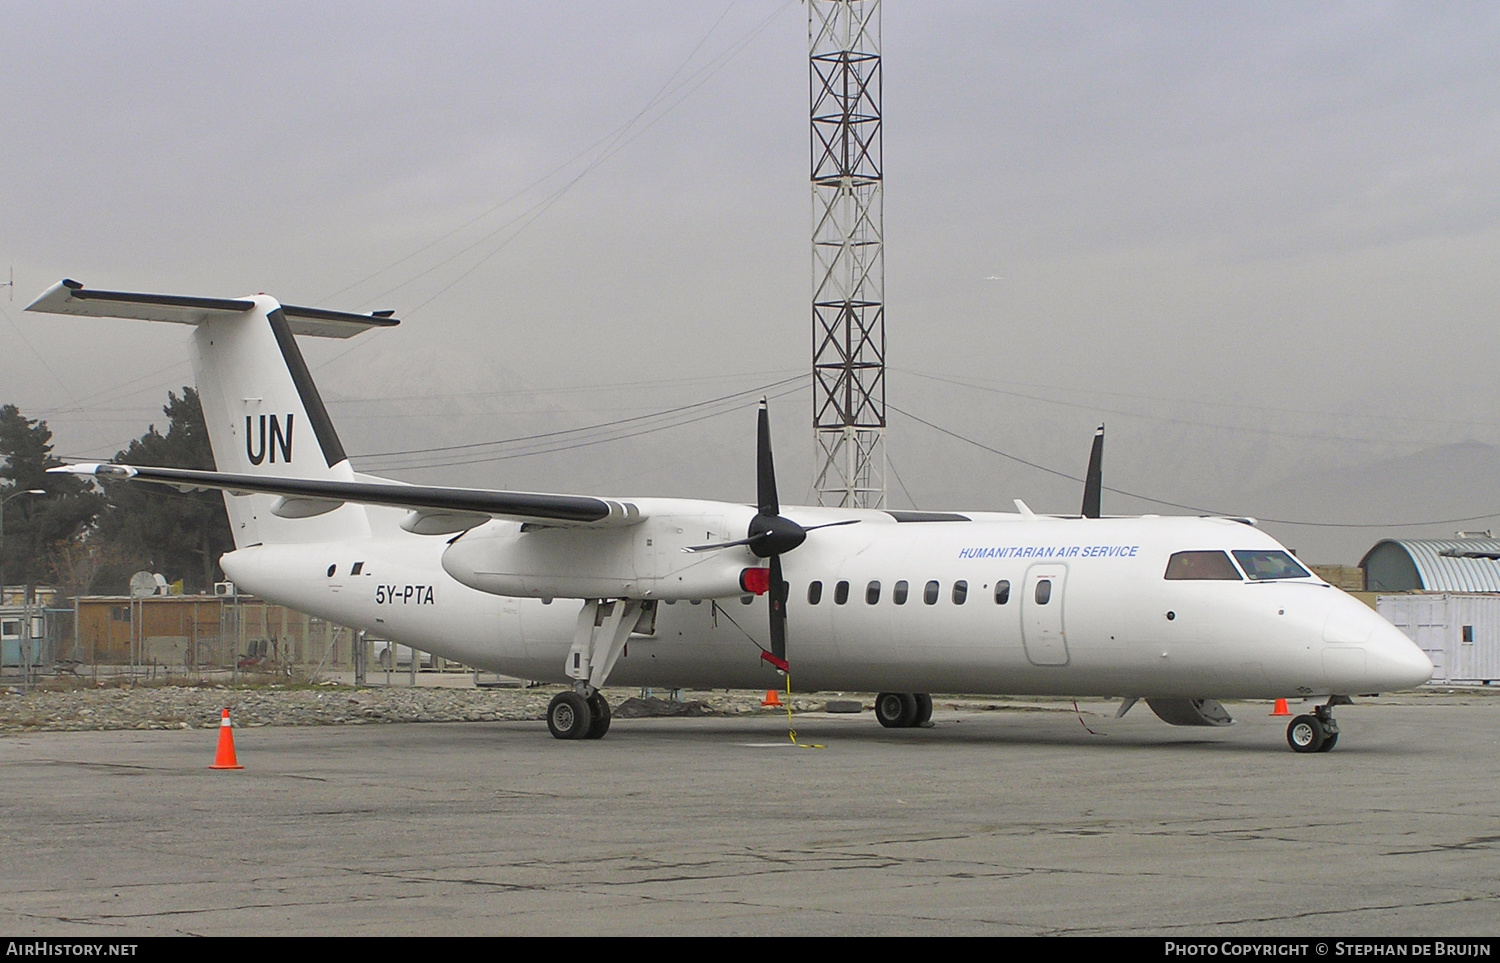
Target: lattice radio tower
848, 250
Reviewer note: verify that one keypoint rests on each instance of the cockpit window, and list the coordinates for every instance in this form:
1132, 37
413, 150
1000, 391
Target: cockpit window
1261, 566
1192, 566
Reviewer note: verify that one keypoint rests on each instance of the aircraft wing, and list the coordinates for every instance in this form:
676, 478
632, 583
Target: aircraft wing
437, 510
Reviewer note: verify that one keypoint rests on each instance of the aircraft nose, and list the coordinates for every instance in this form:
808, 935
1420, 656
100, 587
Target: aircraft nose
1397, 662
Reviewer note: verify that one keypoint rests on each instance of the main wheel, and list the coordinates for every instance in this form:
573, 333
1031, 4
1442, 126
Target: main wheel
599, 706
1306, 734
1330, 740
569, 716
924, 709
896, 710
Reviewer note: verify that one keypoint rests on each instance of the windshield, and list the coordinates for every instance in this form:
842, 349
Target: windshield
1261, 566
1201, 565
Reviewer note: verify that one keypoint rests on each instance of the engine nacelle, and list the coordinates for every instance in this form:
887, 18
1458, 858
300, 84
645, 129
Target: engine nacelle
642, 561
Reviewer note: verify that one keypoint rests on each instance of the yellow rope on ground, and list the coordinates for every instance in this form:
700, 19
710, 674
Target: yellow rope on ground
791, 730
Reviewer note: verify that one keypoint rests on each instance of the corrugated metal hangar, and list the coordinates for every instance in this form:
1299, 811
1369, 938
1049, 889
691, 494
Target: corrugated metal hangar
1448, 601
1433, 565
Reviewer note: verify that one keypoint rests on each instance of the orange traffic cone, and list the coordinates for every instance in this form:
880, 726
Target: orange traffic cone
224, 759
1281, 709
772, 699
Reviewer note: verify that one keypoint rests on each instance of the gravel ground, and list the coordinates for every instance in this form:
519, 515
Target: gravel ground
82, 707
61, 707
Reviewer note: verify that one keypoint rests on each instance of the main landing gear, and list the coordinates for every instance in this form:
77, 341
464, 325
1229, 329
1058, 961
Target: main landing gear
599, 639
903, 710
1317, 732
574, 716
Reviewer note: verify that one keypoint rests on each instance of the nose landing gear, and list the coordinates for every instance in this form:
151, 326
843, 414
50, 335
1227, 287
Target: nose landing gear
1314, 733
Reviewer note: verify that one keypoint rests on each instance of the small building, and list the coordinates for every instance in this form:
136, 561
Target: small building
1460, 632
1464, 564
22, 630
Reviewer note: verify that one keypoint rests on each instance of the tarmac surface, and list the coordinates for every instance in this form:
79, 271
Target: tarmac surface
998, 823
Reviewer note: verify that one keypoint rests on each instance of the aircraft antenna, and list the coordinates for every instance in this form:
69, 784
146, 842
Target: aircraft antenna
11, 283
848, 253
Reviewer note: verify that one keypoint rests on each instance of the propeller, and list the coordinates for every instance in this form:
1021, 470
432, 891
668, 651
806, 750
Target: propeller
770, 535
1093, 479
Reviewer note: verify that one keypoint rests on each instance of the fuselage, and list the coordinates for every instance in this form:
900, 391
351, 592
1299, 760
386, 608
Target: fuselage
998, 603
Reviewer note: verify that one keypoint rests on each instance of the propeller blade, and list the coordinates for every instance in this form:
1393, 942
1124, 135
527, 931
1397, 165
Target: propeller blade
778, 615
691, 549
1093, 480
847, 521
785, 529
765, 471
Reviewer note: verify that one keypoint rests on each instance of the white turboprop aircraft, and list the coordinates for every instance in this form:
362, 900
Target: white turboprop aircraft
1177, 611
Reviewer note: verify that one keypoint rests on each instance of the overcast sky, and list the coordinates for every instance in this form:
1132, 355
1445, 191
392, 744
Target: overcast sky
1260, 240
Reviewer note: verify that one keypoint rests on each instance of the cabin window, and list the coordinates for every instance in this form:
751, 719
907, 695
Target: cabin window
960, 592
1194, 566
1002, 592
814, 593
1044, 591
358, 567
1261, 566
841, 593
898, 592
930, 593
872, 593
331, 569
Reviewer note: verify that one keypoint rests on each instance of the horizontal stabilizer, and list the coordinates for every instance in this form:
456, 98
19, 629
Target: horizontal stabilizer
70, 297
303, 497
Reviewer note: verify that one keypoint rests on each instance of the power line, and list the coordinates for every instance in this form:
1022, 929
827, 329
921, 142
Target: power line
545, 439
1192, 508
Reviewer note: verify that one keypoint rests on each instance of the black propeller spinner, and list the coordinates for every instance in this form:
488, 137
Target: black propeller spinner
770, 535
1093, 479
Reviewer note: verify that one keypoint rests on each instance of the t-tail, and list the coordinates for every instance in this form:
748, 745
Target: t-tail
264, 414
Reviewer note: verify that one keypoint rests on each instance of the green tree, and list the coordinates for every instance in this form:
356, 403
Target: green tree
180, 535
36, 525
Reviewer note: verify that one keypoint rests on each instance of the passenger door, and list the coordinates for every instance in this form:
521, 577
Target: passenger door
1042, 614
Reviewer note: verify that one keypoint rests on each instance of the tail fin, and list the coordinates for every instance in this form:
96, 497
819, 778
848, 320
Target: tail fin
264, 414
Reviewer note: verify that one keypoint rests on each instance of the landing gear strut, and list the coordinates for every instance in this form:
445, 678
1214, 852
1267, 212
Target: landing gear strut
599, 639
903, 710
1314, 733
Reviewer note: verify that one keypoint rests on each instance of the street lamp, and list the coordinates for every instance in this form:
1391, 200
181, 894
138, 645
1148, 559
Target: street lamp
3, 501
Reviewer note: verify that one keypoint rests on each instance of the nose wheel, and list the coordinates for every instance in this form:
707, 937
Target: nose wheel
1313, 733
